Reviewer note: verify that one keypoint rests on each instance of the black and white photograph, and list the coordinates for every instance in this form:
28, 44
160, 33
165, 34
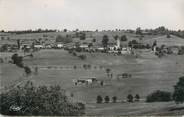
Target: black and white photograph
91, 57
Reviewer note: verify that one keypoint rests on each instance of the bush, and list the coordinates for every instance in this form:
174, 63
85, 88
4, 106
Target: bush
181, 51
17, 60
29, 100
99, 99
106, 99
89, 66
124, 38
1, 60
137, 97
159, 96
85, 66
27, 70
78, 49
74, 54
75, 67
114, 99
168, 36
82, 57
130, 98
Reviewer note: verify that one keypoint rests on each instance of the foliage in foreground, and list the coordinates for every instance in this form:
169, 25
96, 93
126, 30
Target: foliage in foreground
159, 96
43, 100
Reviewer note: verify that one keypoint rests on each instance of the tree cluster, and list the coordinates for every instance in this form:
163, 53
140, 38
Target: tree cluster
63, 39
159, 96
29, 100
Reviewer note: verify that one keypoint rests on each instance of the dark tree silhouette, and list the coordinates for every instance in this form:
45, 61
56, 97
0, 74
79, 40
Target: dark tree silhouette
18, 43
99, 99
159, 96
108, 71
105, 41
123, 38
94, 40
137, 97
106, 99
27, 70
178, 95
130, 98
114, 99
138, 31
18, 60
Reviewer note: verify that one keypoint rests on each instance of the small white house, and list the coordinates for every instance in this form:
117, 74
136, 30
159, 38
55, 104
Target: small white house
83, 46
100, 48
38, 46
84, 81
59, 45
126, 50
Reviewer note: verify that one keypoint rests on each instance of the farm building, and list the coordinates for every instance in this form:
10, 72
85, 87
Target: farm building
85, 81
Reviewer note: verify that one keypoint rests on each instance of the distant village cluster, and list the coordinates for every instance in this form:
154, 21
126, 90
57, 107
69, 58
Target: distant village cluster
88, 41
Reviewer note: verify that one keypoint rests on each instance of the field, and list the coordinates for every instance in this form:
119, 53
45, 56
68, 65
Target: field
149, 73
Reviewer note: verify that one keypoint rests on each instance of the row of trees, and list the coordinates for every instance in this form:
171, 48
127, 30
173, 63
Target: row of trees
31, 31
156, 96
130, 98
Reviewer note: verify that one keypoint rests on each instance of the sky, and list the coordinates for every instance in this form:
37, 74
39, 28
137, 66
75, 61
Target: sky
91, 14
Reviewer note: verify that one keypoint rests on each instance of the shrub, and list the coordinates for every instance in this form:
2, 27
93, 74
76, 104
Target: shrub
85, 66
137, 97
78, 49
74, 54
82, 57
29, 100
130, 98
17, 60
106, 99
159, 96
27, 70
1, 60
114, 99
89, 66
70, 51
99, 99
181, 51
124, 38
168, 36
75, 67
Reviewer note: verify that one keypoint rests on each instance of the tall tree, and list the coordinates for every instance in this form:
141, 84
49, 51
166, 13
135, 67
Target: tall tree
138, 31
178, 95
123, 38
105, 41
